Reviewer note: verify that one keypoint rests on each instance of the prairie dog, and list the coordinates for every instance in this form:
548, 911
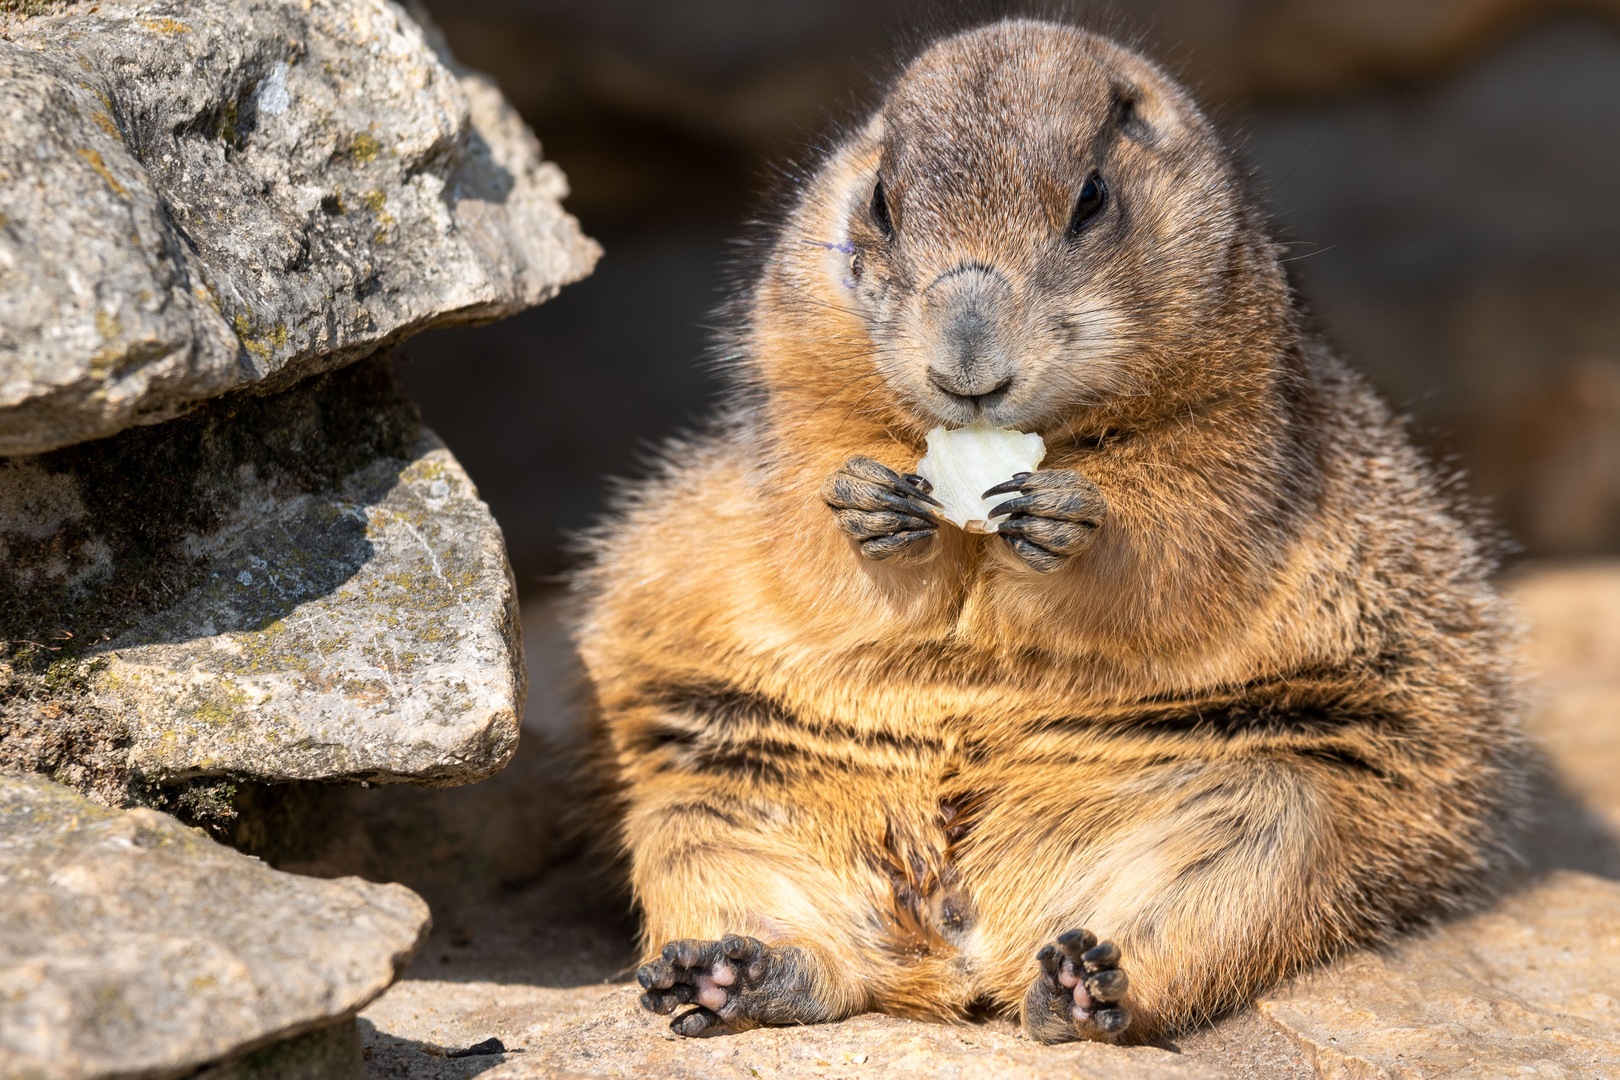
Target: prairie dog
1228, 695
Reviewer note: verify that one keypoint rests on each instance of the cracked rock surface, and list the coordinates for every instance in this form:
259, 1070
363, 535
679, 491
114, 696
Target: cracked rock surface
1530, 988
132, 946
201, 195
303, 586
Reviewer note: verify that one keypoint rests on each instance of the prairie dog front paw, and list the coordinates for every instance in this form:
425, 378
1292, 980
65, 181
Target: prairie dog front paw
1055, 517
888, 513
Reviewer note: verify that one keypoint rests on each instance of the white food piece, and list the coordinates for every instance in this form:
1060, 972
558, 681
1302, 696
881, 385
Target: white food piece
963, 463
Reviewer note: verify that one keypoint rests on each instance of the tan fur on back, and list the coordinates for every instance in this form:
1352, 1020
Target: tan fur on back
1266, 716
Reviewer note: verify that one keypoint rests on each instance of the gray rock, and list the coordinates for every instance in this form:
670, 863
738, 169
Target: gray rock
132, 946
197, 196
1530, 988
302, 586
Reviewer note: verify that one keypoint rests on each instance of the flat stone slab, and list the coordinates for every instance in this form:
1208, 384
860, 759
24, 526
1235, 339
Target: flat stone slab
407, 670
133, 946
1530, 988
613, 1036
297, 587
198, 195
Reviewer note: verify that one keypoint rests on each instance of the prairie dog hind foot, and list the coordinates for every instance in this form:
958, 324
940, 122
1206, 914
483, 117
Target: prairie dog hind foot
734, 983
1077, 993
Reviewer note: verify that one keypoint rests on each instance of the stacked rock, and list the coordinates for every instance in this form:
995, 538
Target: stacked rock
229, 552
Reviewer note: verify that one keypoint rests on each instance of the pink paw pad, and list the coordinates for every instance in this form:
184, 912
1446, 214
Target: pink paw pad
1090, 973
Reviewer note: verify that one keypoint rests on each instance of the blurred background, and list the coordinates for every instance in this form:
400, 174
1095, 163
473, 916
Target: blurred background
1448, 172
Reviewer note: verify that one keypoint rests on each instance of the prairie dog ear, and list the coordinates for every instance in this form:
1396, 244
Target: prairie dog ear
1147, 106
1132, 116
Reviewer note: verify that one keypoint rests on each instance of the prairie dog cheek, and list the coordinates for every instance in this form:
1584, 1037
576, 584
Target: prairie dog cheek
1088, 323
1091, 343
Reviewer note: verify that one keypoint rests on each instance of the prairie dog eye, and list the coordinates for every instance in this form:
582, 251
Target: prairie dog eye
1087, 206
880, 211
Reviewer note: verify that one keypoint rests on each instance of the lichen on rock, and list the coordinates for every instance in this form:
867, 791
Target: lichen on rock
198, 196
302, 586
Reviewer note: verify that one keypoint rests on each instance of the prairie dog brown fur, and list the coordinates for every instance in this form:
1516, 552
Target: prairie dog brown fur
1232, 694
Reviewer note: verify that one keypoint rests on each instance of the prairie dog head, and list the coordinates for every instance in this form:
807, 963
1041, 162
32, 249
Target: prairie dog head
1036, 223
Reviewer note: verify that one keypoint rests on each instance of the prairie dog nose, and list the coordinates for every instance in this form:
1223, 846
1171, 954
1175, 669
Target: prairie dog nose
964, 309
968, 384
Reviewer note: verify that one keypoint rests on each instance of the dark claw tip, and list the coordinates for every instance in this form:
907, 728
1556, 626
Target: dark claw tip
1111, 1020
1108, 986
919, 493
1015, 484
1076, 941
920, 482
1103, 955
692, 1023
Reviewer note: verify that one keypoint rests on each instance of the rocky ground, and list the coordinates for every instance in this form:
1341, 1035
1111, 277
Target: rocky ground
236, 572
130, 945
1530, 988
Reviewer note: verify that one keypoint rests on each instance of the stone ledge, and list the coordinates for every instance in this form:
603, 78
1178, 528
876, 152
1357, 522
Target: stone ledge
618, 1037
408, 670
198, 195
297, 587
1528, 988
